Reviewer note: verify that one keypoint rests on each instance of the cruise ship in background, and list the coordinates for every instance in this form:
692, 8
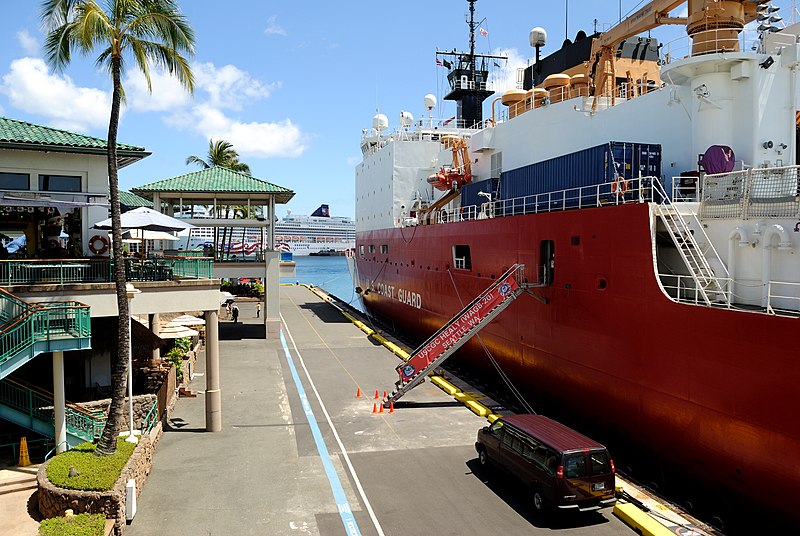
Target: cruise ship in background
319, 233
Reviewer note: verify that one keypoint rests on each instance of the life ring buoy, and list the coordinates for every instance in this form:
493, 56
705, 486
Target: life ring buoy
620, 186
103, 244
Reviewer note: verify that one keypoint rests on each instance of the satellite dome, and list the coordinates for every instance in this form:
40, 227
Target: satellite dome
430, 101
380, 122
406, 119
538, 37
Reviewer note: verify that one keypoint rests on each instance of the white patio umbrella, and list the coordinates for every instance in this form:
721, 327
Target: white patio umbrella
186, 320
135, 235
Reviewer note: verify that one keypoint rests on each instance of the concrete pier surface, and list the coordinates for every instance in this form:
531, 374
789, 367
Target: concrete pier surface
300, 454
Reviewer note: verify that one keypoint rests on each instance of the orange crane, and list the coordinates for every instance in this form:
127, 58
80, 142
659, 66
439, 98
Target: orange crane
713, 25
460, 173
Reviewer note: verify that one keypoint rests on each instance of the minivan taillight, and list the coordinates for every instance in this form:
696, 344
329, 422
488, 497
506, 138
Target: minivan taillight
560, 472
613, 470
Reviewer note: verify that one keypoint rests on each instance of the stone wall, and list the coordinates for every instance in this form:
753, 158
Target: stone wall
141, 405
54, 501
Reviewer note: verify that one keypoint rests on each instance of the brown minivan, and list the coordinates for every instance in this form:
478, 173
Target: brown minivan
564, 469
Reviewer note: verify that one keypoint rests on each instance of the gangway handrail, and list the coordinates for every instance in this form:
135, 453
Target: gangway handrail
464, 325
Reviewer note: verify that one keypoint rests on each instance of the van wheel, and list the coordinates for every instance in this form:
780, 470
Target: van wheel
483, 458
538, 501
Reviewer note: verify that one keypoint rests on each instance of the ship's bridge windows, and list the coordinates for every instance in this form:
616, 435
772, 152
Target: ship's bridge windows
384, 249
547, 256
462, 259
361, 250
372, 248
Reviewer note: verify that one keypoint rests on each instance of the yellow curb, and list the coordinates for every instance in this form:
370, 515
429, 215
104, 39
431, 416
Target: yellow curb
639, 521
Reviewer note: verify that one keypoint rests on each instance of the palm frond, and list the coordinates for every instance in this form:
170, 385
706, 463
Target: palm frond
196, 160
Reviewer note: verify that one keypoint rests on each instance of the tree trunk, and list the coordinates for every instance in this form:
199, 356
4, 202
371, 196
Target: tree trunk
119, 363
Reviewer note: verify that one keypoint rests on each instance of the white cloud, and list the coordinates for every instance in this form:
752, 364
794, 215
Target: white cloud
228, 86
259, 140
505, 77
273, 28
353, 160
167, 94
28, 43
31, 88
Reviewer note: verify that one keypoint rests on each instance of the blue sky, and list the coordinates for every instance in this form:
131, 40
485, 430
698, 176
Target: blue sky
290, 84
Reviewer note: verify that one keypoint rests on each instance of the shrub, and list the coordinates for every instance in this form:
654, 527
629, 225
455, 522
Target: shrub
95, 473
79, 525
175, 357
184, 344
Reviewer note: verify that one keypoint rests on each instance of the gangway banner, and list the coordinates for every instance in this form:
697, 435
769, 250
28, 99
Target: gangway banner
458, 327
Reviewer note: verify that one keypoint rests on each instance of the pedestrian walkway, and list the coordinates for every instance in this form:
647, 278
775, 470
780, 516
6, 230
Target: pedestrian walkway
19, 513
300, 454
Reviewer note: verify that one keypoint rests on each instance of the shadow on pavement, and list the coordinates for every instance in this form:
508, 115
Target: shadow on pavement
325, 312
515, 494
237, 331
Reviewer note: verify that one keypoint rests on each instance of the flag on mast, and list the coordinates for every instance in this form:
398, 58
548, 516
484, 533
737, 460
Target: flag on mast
483, 32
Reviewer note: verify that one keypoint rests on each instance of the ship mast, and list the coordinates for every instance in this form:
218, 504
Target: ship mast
468, 82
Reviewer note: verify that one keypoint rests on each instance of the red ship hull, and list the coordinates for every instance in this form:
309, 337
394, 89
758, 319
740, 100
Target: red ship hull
708, 390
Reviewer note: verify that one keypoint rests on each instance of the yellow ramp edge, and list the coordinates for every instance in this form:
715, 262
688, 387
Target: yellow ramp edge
640, 521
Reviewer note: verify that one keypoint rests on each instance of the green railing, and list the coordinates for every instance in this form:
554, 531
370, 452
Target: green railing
150, 419
34, 272
39, 406
11, 308
42, 322
43, 271
14, 446
195, 268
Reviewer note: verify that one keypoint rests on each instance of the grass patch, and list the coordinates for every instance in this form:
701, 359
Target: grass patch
95, 473
79, 525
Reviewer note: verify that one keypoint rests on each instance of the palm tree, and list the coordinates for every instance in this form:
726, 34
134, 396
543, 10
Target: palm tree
220, 153
148, 32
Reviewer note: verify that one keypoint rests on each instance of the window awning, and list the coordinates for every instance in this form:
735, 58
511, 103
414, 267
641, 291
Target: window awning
60, 201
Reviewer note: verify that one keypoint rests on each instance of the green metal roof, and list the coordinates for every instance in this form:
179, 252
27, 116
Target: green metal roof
131, 200
16, 134
213, 180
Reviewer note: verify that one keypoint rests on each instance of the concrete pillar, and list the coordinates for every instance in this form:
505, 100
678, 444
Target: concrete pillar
213, 394
272, 285
154, 321
59, 402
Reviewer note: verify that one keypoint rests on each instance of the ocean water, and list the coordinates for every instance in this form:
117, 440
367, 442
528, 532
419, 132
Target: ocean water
330, 273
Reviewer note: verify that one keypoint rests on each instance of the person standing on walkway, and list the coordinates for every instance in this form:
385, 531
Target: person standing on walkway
258, 309
235, 312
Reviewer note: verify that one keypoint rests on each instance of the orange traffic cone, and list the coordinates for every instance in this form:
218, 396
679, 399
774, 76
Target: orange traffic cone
381, 409
384, 395
374, 408
391, 407
358, 393
376, 394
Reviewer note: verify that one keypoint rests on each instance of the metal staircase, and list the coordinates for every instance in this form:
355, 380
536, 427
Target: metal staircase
33, 409
455, 333
707, 286
29, 329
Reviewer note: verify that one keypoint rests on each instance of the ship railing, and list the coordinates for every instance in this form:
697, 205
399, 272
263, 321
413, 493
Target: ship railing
639, 190
780, 298
783, 298
717, 41
427, 129
752, 193
620, 93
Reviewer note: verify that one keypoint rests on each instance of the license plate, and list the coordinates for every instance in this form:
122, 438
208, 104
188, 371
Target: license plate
598, 486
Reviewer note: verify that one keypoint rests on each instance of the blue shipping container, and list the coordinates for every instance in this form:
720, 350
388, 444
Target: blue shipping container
469, 192
588, 167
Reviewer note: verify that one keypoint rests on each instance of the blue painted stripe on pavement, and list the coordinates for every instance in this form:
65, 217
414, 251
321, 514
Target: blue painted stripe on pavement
336, 486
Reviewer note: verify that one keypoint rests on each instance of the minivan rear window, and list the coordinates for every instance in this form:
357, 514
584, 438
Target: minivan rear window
601, 465
575, 466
